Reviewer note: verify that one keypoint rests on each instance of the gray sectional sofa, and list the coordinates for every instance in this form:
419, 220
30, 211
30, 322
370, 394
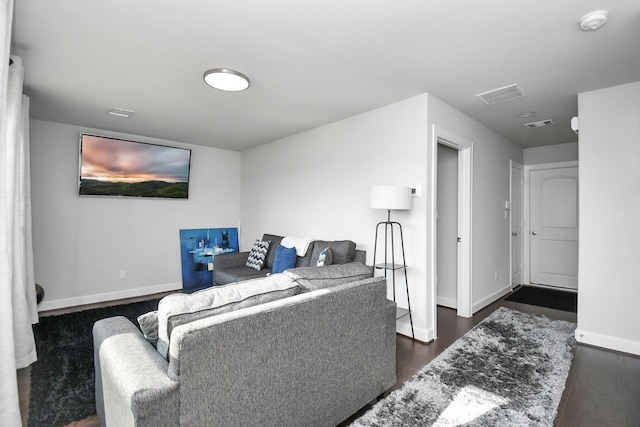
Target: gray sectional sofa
231, 267
307, 347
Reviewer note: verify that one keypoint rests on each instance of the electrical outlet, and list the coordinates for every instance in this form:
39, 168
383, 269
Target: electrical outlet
123, 274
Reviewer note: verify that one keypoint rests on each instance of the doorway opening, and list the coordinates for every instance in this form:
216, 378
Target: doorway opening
447, 227
464, 150
516, 222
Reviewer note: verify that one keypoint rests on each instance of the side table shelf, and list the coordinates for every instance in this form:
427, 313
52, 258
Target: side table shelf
389, 266
401, 312
393, 267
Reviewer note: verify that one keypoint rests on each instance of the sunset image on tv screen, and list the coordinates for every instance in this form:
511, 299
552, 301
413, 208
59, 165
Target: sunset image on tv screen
116, 167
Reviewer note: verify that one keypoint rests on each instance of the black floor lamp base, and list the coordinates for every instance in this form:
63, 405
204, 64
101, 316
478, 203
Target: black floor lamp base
392, 266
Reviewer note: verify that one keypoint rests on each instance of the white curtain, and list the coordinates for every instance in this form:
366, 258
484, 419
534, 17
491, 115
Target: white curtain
17, 287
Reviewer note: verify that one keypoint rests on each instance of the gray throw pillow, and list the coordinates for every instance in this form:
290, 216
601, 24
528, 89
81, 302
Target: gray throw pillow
149, 326
342, 251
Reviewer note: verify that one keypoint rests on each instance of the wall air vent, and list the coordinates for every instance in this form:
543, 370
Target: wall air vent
540, 124
502, 94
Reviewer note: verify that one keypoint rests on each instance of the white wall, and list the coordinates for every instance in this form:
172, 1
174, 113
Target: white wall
316, 184
491, 176
82, 243
550, 153
609, 210
313, 184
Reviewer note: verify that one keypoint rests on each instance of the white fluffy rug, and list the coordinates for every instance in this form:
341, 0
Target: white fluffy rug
509, 370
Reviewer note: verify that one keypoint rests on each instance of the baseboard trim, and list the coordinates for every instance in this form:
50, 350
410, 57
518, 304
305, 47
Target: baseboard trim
403, 327
107, 296
447, 302
608, 342
555, 288
490, 299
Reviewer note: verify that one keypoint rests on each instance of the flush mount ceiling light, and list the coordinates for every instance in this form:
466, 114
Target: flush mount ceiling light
593, 20
226, 79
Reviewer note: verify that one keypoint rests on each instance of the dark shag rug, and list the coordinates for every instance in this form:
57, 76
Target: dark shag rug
62, 380
543, 297
509, 370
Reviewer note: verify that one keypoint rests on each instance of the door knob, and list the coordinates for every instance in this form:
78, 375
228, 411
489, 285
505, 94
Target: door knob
514, 234
535, 233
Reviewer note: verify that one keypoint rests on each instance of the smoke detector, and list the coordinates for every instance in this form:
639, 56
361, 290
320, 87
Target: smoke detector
575, 124
593, 21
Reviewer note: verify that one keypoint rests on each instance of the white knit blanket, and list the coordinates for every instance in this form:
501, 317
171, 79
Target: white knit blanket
300, 243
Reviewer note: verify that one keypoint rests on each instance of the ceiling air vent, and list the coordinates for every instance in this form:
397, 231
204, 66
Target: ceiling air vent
503, 94
120, 112
540, 124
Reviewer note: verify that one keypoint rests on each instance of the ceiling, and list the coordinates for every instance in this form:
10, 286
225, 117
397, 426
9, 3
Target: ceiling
313, 63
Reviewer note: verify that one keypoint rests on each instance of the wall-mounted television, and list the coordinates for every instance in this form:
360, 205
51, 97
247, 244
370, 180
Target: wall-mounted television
117, 167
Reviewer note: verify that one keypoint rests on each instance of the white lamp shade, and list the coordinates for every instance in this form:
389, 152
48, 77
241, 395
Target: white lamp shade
390, 197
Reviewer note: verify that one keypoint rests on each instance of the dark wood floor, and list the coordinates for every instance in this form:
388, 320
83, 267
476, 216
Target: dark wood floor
602, 389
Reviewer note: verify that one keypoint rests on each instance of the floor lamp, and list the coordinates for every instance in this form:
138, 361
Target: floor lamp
392, 198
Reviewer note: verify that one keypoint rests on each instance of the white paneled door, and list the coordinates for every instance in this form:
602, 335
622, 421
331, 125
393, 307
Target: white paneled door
554, 226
